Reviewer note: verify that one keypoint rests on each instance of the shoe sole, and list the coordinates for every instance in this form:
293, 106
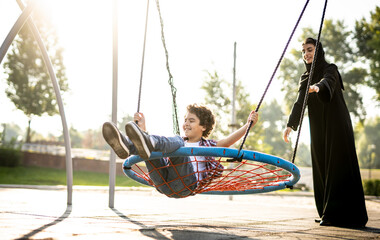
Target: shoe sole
135, 135
112, 136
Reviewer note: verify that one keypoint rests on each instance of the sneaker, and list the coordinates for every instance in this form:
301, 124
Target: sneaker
116, 140
140, 139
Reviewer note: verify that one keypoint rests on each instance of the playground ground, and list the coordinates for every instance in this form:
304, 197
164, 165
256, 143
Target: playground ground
31, 212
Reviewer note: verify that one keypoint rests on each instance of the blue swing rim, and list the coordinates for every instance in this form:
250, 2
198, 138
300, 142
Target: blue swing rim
227, 153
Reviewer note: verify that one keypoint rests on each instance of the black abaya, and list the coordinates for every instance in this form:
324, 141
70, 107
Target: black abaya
338, 189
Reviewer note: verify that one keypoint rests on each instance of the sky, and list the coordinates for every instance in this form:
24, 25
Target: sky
200, 36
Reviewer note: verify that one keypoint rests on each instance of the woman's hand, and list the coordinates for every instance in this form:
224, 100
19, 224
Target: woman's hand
313, 88
286, 134
139, 118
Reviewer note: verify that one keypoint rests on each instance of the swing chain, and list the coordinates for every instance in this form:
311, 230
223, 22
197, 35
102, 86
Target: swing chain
170, 81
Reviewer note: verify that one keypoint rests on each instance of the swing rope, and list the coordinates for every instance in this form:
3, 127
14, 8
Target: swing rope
143, 56
269, 83
170, 81
309, 81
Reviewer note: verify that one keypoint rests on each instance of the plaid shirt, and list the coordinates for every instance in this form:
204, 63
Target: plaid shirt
213, 167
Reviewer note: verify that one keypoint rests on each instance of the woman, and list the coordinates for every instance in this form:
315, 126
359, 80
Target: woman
338, 189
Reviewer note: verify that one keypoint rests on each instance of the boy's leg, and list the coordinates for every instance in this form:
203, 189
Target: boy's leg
158, 173
118, 142
174, 177
140, 139
167, 144
145, 143
181, 177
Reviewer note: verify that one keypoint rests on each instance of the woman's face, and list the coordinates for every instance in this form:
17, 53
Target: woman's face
308, 52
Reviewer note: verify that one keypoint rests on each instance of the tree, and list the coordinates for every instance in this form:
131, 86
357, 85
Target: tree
266, 135
367, 36
217, 92
9, 132
218, 101
272, 118
368, 143
126, 119
336, 40
303, 157
29, 85
76, 138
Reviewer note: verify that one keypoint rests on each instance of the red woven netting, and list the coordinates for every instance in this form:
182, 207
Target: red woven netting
235, 176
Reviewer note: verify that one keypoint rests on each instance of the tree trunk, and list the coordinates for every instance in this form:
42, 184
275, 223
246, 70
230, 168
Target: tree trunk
28, 131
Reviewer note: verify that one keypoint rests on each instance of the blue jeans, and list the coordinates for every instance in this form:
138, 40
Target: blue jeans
175, 177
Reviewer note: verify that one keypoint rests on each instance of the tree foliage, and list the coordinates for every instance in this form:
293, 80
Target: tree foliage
368, 143
265, 136
29, 84
10, 131
219, 99
272, 118
367, 34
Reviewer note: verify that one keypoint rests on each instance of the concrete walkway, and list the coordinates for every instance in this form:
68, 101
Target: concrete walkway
41, 213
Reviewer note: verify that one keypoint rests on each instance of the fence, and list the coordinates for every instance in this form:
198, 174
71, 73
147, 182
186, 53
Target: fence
53, 156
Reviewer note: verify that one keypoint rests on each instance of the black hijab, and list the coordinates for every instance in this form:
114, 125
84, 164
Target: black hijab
320, 65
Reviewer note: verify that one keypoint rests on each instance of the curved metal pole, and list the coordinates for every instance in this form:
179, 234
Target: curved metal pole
66, 136
15, 29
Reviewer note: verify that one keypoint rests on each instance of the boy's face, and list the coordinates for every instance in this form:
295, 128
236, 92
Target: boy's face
193, 130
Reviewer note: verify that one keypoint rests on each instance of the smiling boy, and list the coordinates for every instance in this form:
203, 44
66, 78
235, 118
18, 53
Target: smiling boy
176, 177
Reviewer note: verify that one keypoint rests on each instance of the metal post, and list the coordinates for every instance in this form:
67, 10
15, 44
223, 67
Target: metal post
233, 124
66, 136
369, 167
372, 148
112, 168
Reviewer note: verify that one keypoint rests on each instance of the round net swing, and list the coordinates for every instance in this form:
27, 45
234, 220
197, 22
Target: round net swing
239, 171
256, 173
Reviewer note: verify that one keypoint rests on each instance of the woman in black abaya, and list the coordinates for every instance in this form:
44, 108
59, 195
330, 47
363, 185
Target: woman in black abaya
338, 189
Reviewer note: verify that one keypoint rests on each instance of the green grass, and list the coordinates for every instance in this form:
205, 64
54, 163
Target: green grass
50, 176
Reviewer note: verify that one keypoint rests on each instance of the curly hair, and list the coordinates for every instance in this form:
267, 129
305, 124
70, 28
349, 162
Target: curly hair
205, 115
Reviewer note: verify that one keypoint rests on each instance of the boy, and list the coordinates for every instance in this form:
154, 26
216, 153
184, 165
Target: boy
176, 177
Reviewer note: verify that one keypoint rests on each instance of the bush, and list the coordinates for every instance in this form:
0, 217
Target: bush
10, 157
372, 187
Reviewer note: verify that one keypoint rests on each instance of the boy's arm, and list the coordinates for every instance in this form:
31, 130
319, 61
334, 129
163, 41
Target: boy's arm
235, 136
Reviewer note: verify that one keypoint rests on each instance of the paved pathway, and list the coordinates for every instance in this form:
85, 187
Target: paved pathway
41, 213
